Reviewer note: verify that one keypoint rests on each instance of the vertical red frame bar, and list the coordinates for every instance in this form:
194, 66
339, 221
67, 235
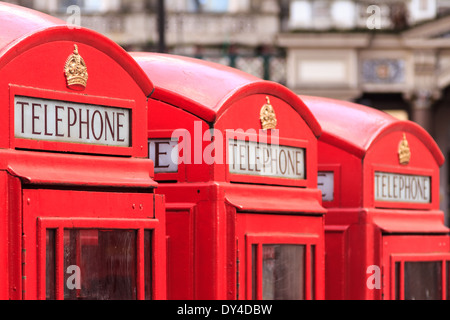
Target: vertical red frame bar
159, 258
401, 281
6, 236
140, 265
59, 263
41, 261
12, 228
41, 265
308, 273
259, 273
444, 279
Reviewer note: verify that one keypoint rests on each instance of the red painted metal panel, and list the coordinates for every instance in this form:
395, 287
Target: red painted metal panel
15, 237
102, 89
159, 251
350, 166
180, 266
275, 200
23, 29
335, 272
393, 221
54, 169
4, 231
167, 121
208, 89
30, 38
355, 128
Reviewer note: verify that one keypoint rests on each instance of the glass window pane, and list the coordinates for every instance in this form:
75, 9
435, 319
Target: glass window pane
100, 264
50, 274
283, 272
397, 280
423, 280
148, 264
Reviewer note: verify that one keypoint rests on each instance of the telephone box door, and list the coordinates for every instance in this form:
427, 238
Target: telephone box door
412, 271
279, 260
88, 245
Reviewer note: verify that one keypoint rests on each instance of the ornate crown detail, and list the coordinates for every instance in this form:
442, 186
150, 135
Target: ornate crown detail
268, 117
404, 153
76, 71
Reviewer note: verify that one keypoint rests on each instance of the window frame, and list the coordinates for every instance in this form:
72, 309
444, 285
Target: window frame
397, 286
310, 261
60, 224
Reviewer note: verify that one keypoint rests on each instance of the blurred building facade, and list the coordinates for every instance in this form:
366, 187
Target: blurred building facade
239, 33
393, 55
390, 55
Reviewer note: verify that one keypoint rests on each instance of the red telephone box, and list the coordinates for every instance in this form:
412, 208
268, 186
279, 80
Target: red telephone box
79, 216
385, 235
235, 157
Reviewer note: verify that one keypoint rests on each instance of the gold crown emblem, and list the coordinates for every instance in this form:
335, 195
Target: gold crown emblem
268, 117
76, 71
404, 153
